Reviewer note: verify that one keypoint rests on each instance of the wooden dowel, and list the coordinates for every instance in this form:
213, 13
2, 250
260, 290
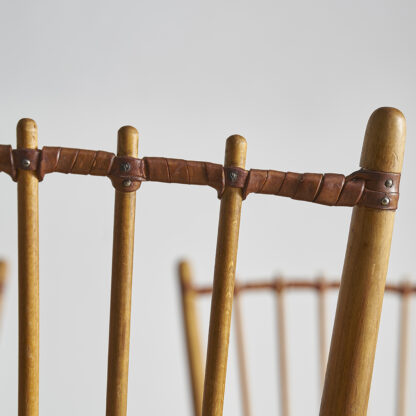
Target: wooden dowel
3, 277
354, 337
121, 283
28, 250
193, 340
323, 344
241, 356
403, 350
223, 286
282, 348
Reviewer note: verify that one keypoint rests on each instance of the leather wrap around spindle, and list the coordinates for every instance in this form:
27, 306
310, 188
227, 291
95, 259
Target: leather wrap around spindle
379, 190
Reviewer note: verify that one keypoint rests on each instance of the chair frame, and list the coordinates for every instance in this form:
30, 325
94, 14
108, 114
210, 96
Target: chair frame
191, 292
354, 338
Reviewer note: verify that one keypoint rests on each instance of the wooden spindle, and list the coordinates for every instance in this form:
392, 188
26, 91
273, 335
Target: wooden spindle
403, 349
354, 337
121, 284
223, 286
28, 252
282, 348
322, 328
241, 356
193, 340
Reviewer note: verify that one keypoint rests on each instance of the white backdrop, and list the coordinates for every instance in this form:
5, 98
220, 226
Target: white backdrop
298, 79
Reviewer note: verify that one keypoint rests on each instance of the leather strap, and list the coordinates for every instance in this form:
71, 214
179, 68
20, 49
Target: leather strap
373, 189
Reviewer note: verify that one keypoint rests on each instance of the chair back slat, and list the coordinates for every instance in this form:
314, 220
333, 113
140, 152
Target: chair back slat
405, 297
28, 275
241, 356
354, 336
121, 285
192, 335
282, 348
223, 285
322, 329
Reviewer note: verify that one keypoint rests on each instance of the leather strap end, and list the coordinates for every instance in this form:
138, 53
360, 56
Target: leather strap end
127, 173
235, 178
26, 159
379, 200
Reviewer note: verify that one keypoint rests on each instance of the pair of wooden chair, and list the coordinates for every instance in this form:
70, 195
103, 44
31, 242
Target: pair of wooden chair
373, 191
191, 294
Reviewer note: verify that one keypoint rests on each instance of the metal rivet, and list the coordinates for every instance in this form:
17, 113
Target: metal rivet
126, 182
388, 183
233, 176
25, 163
125, 166
385, 201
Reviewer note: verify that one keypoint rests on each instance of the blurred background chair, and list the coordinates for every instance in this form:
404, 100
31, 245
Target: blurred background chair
191, 294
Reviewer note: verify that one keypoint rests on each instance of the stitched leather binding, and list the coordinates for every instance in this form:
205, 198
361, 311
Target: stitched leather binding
379, 190
363, 187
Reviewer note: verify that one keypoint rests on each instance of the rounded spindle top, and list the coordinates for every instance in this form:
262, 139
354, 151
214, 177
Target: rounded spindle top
384, 141
235, 151
27, 134
128, 141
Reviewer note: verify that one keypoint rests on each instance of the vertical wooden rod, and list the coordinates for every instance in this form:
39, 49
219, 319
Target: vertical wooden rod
403, 350
323, 349
241, 355
354, 337
193, 341
28, 251
3, 277
121, 283
282, 345
223, 286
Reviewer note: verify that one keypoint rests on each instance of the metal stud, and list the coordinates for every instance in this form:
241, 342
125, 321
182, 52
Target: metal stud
127, 182
233, 176
388, 183
124, 166
25, 163
385, 201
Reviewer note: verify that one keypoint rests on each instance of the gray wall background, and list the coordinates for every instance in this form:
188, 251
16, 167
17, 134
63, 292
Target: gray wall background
298, 79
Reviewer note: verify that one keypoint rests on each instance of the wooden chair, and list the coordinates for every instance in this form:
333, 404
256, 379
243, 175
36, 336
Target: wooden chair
373, 191
190, 293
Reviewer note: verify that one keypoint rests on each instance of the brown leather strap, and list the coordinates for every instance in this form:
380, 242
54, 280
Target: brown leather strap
372, 189
126, 173
160, 169
6, 160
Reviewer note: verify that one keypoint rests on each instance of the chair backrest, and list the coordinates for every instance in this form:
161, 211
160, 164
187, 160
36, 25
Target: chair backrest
190, 294
373, 191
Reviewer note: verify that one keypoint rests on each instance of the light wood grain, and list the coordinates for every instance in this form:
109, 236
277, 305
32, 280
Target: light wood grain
282, 349
402, 373
192, 337
223, 286
322, 330
241, 357
121, 284
354, 337
28, 251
